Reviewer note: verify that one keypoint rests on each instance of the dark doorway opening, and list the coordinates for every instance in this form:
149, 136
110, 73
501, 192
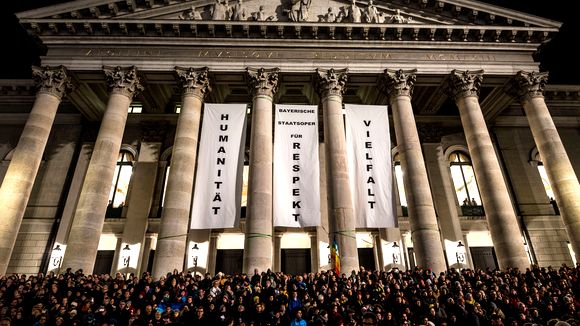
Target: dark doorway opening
150, 261
483, 257
104, 262
229, 261
366, 259
296, 261
412, 262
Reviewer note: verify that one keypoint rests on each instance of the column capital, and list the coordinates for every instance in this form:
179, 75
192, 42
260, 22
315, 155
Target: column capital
194, 81
52, 80
527, 85
462, 84
123, 80
331, 82
263, 81
399, 82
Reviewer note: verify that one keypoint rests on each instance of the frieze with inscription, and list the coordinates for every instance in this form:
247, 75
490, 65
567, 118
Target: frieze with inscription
288, 54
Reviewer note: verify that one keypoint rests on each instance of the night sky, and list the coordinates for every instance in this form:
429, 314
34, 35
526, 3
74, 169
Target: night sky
20, 51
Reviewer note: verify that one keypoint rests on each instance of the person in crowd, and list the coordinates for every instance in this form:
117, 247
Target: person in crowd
542, 296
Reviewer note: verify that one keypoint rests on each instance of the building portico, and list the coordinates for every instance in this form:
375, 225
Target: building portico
462, 196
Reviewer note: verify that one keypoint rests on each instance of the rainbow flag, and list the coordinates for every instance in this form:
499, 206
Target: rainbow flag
335, 257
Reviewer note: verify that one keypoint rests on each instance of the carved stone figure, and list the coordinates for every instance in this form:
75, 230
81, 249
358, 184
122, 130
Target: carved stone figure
397, 18
299, 11
354, 13
220, 10
261, 15
372, 14
238, 12
330, 16
190, 14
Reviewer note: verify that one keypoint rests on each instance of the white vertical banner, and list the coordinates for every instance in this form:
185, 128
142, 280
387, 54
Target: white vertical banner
218, 183
369, 156
296, 168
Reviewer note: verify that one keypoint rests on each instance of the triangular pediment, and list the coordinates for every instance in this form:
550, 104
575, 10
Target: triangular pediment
442, 12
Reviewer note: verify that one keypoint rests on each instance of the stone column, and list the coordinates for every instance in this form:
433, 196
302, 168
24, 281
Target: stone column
52, 84
463, 87
331, 85
529, 89
60, 240
263, 85
314, 253
90, 213
211, 260
422, 218
321, 237
172, 240
444, 199
277, 266
146, 249
141, 197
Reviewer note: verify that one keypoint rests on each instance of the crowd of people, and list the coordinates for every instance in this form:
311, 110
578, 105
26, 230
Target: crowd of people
537, 296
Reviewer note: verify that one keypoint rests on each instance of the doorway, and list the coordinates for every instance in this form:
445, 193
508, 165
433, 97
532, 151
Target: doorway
229, 261
483, 257
104, 262
296, 261
366, 259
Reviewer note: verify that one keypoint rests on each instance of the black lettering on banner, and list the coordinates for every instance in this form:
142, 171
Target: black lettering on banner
296, 217
296, 156
295, 145
296, 168
296, 204
295, 179
369, 166
296, 192
220, 161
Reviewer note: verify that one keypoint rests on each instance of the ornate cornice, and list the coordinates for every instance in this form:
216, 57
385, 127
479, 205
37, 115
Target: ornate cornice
52, 80
331, 82
263, 82
123, 80
194, 81
398, 82
525, 85
462, 84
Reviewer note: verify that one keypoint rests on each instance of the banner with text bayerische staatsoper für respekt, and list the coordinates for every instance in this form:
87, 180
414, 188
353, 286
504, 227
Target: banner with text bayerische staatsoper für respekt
296, 198
369, 158
218, 183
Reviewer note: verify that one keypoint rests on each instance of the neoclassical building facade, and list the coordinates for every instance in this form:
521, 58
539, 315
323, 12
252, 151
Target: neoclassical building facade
100, 148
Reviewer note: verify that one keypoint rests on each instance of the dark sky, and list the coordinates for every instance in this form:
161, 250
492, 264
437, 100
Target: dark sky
558, 57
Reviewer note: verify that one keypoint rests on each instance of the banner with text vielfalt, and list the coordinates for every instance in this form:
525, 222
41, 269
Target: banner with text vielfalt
218, 182
296, 171
369, 157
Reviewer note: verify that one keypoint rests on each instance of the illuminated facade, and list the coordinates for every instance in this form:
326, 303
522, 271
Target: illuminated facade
99, 152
